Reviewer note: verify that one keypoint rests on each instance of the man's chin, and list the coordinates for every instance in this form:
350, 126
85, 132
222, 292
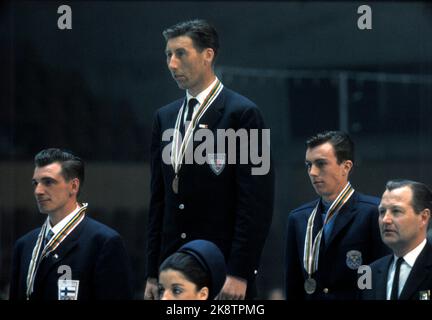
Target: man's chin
43, 210
182, 85
389, 239
320, 191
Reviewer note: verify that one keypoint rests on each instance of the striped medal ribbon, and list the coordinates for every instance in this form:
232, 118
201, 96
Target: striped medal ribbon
54, 242
178, 150
312, 246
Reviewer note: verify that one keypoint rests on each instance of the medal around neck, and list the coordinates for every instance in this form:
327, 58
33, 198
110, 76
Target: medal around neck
310, 285
175, 184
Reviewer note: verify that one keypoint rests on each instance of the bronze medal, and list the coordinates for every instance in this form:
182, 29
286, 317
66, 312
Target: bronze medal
175, 184
310, 285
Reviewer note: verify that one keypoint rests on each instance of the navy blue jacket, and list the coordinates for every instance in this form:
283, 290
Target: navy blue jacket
232, 209
419, 279
94, 252
355, 228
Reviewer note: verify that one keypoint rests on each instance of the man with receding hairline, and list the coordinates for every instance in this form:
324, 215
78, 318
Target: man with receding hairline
404, 218
217, 200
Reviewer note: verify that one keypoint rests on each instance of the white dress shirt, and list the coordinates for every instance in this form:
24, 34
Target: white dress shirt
56, 229
405, 268
200, 97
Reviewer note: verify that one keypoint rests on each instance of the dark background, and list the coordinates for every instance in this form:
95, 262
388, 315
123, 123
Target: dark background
93, 89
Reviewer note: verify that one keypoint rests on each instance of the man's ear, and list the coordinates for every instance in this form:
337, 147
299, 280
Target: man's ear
75, 185
203, 294
425, 215
347, 166
209, 56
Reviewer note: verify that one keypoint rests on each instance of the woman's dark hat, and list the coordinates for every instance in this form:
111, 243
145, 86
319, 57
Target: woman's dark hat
211, 259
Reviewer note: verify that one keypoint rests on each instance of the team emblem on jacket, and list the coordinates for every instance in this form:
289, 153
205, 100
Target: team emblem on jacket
216, 162
354, 259
68, 289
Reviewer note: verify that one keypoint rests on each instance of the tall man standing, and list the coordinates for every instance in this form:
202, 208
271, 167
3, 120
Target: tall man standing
404, 217
71, 257
221, 199
329, 238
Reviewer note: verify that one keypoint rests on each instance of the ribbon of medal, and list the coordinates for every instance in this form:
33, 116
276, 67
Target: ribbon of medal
54, 242
179, 146
312, 246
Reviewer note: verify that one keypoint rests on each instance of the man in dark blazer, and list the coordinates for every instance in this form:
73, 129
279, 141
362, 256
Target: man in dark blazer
72, 257
404, 215
329, 238
223, 194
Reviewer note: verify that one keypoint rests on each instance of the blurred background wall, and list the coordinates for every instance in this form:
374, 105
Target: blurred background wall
94, 89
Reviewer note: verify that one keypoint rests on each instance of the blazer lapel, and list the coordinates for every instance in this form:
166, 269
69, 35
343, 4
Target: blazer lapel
380, 281
419, 272
318, 222
343, 217
213, 113
58, 255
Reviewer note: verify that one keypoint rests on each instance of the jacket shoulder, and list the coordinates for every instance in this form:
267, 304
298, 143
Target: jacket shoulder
367, 200
28, 237
305, 208
236, 99
170, 107
100, 230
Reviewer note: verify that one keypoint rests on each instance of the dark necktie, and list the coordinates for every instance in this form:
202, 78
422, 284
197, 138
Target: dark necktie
47, 238
395, 287
191, 104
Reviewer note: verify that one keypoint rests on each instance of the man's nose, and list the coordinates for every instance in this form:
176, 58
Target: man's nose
313, 171
38, 190
172, 63
386, 218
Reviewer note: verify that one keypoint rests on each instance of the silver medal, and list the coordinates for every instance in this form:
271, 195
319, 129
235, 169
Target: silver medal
175, 184
310, 285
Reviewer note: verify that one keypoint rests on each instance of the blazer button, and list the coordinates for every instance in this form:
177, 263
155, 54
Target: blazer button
183, 235
255, 271
326, 290
181, 206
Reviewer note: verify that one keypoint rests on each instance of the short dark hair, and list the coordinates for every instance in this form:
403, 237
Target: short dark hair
421, 194
189, 266
72, 165
202, 33
341, 142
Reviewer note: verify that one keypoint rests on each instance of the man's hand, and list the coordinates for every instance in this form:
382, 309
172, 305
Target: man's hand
233, 289
151, 289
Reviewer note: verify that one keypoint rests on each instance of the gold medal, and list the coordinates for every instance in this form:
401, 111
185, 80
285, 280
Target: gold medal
175, 184
310, 285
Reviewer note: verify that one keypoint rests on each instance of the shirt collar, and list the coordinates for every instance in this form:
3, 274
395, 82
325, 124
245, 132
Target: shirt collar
412, 256
62, 222
203, 94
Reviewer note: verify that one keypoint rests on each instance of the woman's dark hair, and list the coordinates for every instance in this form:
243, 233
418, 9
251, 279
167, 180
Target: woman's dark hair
189, 267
